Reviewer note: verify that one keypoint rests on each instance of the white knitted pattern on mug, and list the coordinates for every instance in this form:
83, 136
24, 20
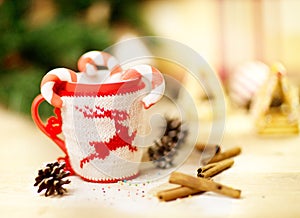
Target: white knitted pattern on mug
86, 126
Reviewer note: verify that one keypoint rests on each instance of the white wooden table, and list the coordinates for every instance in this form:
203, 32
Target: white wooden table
267, 172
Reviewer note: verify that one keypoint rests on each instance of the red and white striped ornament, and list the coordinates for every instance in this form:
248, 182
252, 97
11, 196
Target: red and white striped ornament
246, 81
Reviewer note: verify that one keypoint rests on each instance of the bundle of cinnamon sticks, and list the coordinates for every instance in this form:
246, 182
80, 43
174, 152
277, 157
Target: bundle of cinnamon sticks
190, 185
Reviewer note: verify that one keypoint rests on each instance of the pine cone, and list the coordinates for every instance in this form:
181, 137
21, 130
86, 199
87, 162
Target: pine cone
50, 178
163, 151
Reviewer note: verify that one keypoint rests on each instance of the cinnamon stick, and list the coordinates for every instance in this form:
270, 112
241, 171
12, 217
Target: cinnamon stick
225, 155
178, 192
206, 167
202, 184
182, 191
201, 147
214, 168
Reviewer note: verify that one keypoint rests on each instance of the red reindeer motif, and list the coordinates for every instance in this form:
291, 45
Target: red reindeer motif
120, 139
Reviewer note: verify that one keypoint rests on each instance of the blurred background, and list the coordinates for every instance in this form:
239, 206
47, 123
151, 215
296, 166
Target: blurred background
39, 35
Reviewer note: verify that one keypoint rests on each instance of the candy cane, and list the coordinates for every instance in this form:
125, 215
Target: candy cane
53, 77
151, 74
93, 61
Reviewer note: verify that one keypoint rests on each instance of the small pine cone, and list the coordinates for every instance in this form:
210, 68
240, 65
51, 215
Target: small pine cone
163, 151
50, 178
163, 160
175, 131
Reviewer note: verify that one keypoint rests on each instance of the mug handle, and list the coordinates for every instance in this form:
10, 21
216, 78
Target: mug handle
52, 129
53, 126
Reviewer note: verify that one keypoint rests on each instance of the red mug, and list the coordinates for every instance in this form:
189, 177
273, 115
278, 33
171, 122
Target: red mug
96, 128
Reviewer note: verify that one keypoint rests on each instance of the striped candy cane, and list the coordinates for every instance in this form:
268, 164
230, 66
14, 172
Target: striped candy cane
53, 77
93, 61
151, 74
